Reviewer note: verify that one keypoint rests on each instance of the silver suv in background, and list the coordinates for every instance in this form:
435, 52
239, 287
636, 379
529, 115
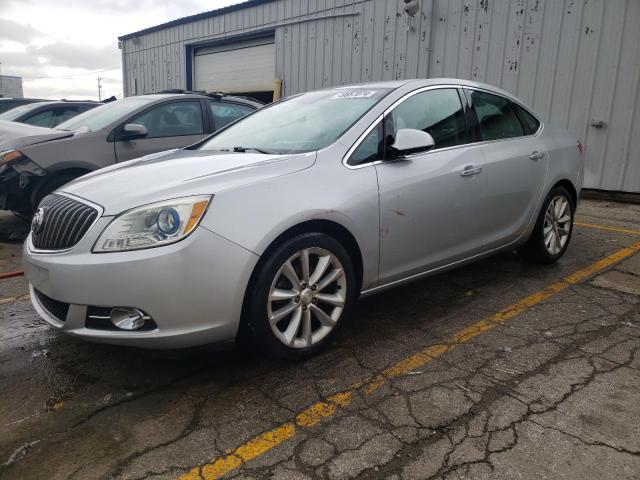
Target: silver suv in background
47, 114
35, 161
7, 104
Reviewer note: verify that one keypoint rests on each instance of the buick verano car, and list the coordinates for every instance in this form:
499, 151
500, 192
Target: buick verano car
276, 224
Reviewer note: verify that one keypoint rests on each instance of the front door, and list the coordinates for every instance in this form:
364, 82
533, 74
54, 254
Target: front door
431, 204
169, 125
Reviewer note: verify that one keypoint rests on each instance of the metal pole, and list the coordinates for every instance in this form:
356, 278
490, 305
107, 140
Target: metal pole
99, 87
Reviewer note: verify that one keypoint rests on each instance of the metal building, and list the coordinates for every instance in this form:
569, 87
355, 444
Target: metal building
10, 87
576, 62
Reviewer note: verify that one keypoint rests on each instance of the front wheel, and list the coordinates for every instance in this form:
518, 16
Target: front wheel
553, 229
301, 295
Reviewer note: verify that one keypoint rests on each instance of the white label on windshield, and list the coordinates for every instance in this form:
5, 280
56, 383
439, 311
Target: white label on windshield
355, 94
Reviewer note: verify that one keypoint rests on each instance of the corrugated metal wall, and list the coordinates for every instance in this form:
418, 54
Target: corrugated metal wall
573, 61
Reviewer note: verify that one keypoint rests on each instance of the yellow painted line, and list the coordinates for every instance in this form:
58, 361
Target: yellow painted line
324, 409
607, 228
266, 441
13, 299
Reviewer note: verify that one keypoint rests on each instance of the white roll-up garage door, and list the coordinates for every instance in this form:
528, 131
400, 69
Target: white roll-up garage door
247, 66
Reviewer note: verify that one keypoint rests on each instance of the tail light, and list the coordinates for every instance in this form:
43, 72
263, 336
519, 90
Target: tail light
580, 147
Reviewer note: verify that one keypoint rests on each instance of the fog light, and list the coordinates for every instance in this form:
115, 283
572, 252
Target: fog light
127, 318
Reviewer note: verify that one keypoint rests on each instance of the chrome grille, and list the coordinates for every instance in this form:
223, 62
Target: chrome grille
64, 223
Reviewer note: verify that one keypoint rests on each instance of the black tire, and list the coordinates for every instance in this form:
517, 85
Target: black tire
256, 316
535, 250
51, 185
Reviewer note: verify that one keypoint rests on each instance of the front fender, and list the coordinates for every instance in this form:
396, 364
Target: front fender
254, 215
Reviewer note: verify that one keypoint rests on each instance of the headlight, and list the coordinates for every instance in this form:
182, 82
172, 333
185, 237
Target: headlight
153, 225
9, 155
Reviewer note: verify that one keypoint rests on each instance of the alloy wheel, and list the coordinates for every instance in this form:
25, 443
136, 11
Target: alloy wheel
307, 297
557, 224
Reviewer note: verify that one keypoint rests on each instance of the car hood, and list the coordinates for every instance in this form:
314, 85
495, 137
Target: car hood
180, 173
17, 135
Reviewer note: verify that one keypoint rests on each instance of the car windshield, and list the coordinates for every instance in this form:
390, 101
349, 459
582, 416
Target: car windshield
19, 111
304, 123
104, 115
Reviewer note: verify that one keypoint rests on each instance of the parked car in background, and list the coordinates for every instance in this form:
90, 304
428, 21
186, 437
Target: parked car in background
47, 114
34, 161
275, 225
9, 103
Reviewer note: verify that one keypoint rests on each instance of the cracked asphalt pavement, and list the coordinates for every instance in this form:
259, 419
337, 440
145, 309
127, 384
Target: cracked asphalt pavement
496, 370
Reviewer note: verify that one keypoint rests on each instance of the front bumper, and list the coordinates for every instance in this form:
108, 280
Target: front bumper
192, 289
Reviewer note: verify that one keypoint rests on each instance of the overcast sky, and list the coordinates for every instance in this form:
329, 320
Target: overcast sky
69, 41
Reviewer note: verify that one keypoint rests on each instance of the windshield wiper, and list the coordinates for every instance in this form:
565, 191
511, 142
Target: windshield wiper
259, 150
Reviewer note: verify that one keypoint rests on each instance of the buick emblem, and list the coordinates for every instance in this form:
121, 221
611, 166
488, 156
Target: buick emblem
38, 221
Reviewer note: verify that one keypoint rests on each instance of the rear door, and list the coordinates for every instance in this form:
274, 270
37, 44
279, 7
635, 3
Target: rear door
515, 162
173, 124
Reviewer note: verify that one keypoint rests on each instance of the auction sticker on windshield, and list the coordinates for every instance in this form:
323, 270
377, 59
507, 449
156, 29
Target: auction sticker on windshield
355, 94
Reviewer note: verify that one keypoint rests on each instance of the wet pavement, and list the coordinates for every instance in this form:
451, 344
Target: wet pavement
496, 370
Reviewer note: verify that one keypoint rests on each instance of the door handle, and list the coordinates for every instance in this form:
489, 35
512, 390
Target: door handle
535, 155
470, 170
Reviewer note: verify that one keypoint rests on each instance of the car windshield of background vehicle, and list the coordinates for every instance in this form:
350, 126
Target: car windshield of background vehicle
104, 115
16, 112
304, 123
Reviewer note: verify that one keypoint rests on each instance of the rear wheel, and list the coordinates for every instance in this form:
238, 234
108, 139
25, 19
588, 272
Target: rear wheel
553, 229
301, 295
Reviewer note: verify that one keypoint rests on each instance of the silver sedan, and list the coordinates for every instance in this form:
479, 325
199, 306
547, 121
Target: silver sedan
275, 225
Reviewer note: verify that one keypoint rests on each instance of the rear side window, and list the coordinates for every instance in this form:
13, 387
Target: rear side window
65, 113
437, 112
225, 113
172, 120
497, 118
530, 123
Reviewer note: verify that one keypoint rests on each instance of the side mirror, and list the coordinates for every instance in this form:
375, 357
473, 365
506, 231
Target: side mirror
134, 130
410, 140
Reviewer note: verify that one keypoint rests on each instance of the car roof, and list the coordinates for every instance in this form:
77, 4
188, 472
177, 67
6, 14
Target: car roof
212, 96
414, 83
421, 82
17, 99
67, 102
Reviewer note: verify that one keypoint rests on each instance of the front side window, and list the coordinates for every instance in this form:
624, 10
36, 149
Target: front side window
437, 112
225, 113
303, 123
172, 120
497, 118
371, 148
